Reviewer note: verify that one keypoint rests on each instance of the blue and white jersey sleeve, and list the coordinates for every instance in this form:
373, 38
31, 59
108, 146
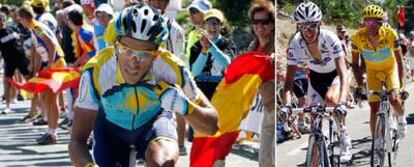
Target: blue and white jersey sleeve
173, 71
87, 98
189, 86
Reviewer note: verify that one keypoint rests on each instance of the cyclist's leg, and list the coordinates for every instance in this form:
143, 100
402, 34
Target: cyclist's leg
299, 89
332, 95
393, 85
314, 98
373, 85
162, 149
396, 102
331, 99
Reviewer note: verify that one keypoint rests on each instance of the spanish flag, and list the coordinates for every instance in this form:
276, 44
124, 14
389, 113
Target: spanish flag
57, 79
233, 98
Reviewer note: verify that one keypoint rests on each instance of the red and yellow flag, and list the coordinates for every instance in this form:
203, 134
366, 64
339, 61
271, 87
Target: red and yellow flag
233, 98
57, 79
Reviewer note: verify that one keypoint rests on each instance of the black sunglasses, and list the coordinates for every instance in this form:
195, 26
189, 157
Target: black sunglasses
212, 21
261, 21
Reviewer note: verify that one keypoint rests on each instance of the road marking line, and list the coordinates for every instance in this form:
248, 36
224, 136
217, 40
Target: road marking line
297, 149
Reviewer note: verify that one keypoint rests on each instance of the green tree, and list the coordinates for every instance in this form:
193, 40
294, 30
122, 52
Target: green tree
234, 11
12, 2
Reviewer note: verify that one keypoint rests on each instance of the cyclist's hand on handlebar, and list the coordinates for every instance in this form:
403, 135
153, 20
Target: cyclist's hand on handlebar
341, 108
404, 94
358, 92
286, 110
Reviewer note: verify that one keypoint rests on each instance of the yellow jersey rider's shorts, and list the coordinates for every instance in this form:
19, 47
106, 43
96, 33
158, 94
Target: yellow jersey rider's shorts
374, 83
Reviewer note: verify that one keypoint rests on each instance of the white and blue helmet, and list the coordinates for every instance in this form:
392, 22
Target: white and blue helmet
307, 12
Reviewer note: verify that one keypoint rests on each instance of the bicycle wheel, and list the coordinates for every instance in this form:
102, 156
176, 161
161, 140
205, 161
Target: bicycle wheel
311, 153
317, 153
325, 155
336, 143
378, 143
392, 154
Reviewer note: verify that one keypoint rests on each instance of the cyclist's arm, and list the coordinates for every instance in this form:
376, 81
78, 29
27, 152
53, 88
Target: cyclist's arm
204, 117
401, 66
292, 65
86, 107
343, 76
83, 122
51, 47
288, 87
356, 68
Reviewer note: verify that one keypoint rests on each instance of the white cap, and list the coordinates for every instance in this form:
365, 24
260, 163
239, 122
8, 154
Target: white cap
201, 5
105, 8
72, 8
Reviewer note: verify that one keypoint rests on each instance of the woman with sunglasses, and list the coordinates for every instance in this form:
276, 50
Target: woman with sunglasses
211, 54
262, 17
328, 80
128, 94
378, 45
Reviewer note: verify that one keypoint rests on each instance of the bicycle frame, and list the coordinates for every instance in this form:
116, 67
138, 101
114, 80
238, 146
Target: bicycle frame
385, 129
317, 136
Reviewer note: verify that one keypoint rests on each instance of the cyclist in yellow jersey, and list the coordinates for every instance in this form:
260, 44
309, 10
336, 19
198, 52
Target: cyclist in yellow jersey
378, 44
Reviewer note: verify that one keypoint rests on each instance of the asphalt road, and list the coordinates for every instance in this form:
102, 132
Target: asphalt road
292, 153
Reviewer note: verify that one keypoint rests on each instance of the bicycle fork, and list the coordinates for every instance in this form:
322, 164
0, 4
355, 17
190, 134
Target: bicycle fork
132, 156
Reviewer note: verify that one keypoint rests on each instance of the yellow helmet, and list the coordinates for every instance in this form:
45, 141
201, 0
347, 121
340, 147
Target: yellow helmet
373, 11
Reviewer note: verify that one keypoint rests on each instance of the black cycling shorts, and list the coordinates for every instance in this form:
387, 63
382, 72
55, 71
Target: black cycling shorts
300, 87
10, 67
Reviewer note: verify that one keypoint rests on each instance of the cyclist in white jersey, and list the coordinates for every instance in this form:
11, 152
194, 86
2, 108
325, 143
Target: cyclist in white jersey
328, 80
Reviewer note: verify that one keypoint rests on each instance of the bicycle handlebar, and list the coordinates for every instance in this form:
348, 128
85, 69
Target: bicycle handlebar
316, 109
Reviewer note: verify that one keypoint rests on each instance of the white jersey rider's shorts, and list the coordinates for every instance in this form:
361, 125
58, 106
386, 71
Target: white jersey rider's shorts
319, 84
